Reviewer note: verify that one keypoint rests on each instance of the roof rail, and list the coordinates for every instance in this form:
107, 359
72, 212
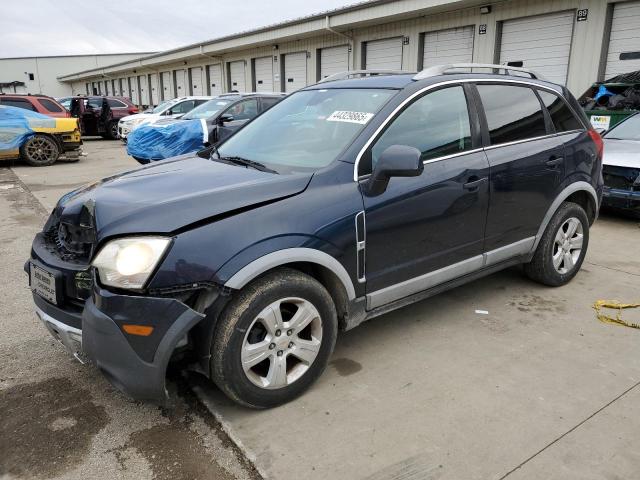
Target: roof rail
361, 73
443, 69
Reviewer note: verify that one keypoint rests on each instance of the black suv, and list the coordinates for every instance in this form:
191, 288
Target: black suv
346, 200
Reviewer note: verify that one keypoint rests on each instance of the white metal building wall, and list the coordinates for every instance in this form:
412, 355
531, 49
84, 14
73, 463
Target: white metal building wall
295, 71
237, 76
197, 82
453, 45
215, 79
155, 89
167, 86
334, 60
624, 38
542, 43
143, 81
181, 82
384, 54
133, 90
121, 87
263, 74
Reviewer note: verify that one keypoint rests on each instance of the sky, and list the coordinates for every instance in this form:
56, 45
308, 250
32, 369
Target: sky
61, 27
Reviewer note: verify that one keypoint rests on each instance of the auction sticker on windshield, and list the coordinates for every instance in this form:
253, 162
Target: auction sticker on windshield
350, 117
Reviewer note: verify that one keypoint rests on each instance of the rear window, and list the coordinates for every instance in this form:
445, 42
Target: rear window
113, 103
513, 113
18, 102
561, 115
49, 105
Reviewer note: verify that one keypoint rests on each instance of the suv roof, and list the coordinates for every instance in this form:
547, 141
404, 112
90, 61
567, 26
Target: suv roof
38, 95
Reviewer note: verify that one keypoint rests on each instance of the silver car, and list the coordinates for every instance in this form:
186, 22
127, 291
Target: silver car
621, 165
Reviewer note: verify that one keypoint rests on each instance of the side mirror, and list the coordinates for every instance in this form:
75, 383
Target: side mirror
395, 161
225, 118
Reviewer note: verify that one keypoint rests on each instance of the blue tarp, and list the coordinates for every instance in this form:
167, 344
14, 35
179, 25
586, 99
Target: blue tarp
164, 140
17, 124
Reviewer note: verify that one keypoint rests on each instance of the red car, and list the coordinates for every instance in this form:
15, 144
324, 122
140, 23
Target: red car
99, 115
36, 103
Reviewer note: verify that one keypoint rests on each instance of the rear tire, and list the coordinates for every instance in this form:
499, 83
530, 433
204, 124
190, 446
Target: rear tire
112, 131
274, 339
40, 151
562, 248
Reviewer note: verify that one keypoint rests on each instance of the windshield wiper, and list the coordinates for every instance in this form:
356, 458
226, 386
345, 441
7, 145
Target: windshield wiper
246, 163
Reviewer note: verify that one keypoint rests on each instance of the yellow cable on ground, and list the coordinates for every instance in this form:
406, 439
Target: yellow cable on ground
616, 306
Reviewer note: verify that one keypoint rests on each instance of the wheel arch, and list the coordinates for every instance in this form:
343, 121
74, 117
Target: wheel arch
580, 192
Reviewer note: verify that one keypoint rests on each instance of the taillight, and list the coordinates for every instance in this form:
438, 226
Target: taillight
597, 139
133, 110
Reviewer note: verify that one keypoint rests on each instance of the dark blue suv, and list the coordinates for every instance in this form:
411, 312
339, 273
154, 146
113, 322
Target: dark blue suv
350, 198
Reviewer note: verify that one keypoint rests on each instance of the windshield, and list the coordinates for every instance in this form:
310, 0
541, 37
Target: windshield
627, 130
163, 106
207, 109
307, 130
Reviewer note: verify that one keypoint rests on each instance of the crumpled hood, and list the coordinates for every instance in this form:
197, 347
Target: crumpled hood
170, 195
621, 153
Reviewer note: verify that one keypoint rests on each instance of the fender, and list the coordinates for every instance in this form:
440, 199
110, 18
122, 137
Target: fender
290, 255
562, 196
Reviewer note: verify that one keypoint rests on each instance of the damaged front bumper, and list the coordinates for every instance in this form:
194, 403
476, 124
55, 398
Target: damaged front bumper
621, 199
134, 364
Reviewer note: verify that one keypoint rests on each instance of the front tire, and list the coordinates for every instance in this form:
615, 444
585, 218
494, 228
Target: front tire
40, 151
562, 248
274, 339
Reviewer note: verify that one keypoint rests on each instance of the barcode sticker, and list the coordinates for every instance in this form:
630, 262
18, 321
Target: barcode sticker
350, 117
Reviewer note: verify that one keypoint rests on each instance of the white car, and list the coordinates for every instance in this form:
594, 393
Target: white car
172, 109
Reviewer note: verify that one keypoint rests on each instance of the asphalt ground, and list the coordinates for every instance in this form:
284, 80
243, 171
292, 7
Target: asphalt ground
535, 388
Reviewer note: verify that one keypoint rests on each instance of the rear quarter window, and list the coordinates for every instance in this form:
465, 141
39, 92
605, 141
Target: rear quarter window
513, 113
113, 103
18, 102
561, 115
49, 105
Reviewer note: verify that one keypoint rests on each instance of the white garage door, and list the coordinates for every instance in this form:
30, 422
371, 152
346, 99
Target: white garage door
143, 81
541, 43
166, 87
106, 87
181, 83
215, 79
236, 76
624, 43
197, 82
123, 89
155, 89
454, 45
334, 60
295, 71
263, 74
133, 90
384, 54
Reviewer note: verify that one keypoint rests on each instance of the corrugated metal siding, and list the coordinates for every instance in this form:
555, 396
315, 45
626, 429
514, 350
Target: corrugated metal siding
334, 60
237, 76
453, 45
295, 71
384, 54
625, 38
542, 43
263, 74
215, 79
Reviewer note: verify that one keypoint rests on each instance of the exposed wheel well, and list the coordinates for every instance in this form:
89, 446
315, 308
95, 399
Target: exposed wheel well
585, 200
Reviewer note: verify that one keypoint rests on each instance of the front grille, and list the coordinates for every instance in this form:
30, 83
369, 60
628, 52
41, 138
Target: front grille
70, 242
621, 178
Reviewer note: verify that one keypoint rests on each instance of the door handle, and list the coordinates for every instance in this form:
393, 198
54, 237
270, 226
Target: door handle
554, 161
474, 183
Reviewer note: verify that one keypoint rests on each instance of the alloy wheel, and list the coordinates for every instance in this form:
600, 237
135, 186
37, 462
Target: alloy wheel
567, 245
41, 150
281, 343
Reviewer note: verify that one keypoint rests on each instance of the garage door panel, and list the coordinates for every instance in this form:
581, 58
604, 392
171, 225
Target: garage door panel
197, 83
263, 74
237, 75
167, 86
215, 79
295, 71
181, 83
453, 45
384, 54
542, 43
144, 89
334, 60
624, 37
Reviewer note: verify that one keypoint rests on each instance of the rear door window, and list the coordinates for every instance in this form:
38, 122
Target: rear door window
268, 102
561, 115
183, 107
49, 105
513, 113
244, 110
113, 103
18, 102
